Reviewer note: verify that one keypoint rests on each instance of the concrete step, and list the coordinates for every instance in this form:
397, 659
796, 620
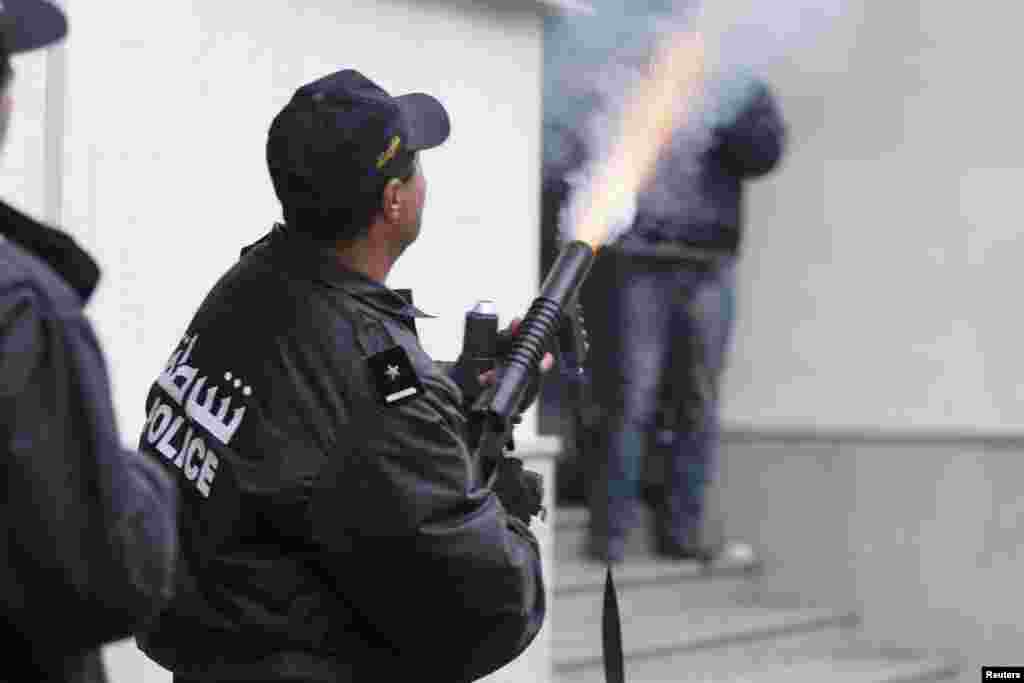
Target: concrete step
659, 619
682, 623
691, 584
789, 659
570, 517
570, 540
668, 607
576, 575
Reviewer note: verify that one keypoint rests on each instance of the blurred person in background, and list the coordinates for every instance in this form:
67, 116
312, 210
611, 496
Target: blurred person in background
90, 528
662, 306
673, 302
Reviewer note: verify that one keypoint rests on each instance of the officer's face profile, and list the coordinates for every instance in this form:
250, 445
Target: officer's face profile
6, 101
419, 189
6, 105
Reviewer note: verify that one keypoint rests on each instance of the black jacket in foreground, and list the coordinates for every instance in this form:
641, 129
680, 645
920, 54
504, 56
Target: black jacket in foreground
333, 528
89, 528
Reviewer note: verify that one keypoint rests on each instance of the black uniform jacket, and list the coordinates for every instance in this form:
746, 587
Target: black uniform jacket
88, 527
333, 528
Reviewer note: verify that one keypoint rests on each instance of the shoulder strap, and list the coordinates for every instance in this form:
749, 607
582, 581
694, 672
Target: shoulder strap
372, 334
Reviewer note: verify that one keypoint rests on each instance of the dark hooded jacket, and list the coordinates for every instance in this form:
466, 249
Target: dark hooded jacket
700, 205
89, 528
694, 205
334, 526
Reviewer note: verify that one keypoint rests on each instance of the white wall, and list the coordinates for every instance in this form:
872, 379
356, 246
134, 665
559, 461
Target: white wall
163, 178
921, 539
880, 261
23, 171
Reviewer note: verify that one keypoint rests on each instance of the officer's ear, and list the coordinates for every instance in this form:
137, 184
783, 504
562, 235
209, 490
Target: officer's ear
399, 192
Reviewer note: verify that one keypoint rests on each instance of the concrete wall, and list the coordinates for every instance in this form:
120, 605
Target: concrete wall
23, 173
874, 326
922, 538
876, 273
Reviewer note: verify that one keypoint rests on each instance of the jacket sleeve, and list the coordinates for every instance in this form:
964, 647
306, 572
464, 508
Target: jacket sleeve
754, 142
435, 566
92, 528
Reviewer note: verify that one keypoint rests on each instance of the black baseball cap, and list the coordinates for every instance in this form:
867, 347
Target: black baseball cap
345, 131
30, 24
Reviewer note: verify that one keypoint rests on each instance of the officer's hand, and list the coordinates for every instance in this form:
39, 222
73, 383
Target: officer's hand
520, 490
547, 362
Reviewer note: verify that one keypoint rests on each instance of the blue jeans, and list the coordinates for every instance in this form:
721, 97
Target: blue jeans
673, 325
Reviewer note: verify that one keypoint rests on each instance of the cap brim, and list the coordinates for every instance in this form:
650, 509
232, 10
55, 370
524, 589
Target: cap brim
32, 24
427, 119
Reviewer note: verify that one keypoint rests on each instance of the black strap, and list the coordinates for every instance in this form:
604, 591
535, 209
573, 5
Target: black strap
611, 633
611, 626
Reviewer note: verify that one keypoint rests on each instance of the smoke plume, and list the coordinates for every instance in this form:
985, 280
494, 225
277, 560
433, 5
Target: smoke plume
592, 62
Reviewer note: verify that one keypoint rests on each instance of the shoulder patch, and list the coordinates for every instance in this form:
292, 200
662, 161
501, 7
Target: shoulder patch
393, 375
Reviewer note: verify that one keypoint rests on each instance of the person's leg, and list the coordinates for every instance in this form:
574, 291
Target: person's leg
715, 307
641, 311
682, 439
702, 325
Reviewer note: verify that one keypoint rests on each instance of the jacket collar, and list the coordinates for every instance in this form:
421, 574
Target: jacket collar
315, 260
54, 247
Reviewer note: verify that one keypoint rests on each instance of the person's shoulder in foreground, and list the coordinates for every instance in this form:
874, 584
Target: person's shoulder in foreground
90, 527
341, 532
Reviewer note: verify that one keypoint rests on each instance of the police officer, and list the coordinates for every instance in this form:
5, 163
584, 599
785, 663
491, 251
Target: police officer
89, 528
333, 528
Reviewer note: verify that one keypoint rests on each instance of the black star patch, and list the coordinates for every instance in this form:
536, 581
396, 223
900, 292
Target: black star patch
394, 377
